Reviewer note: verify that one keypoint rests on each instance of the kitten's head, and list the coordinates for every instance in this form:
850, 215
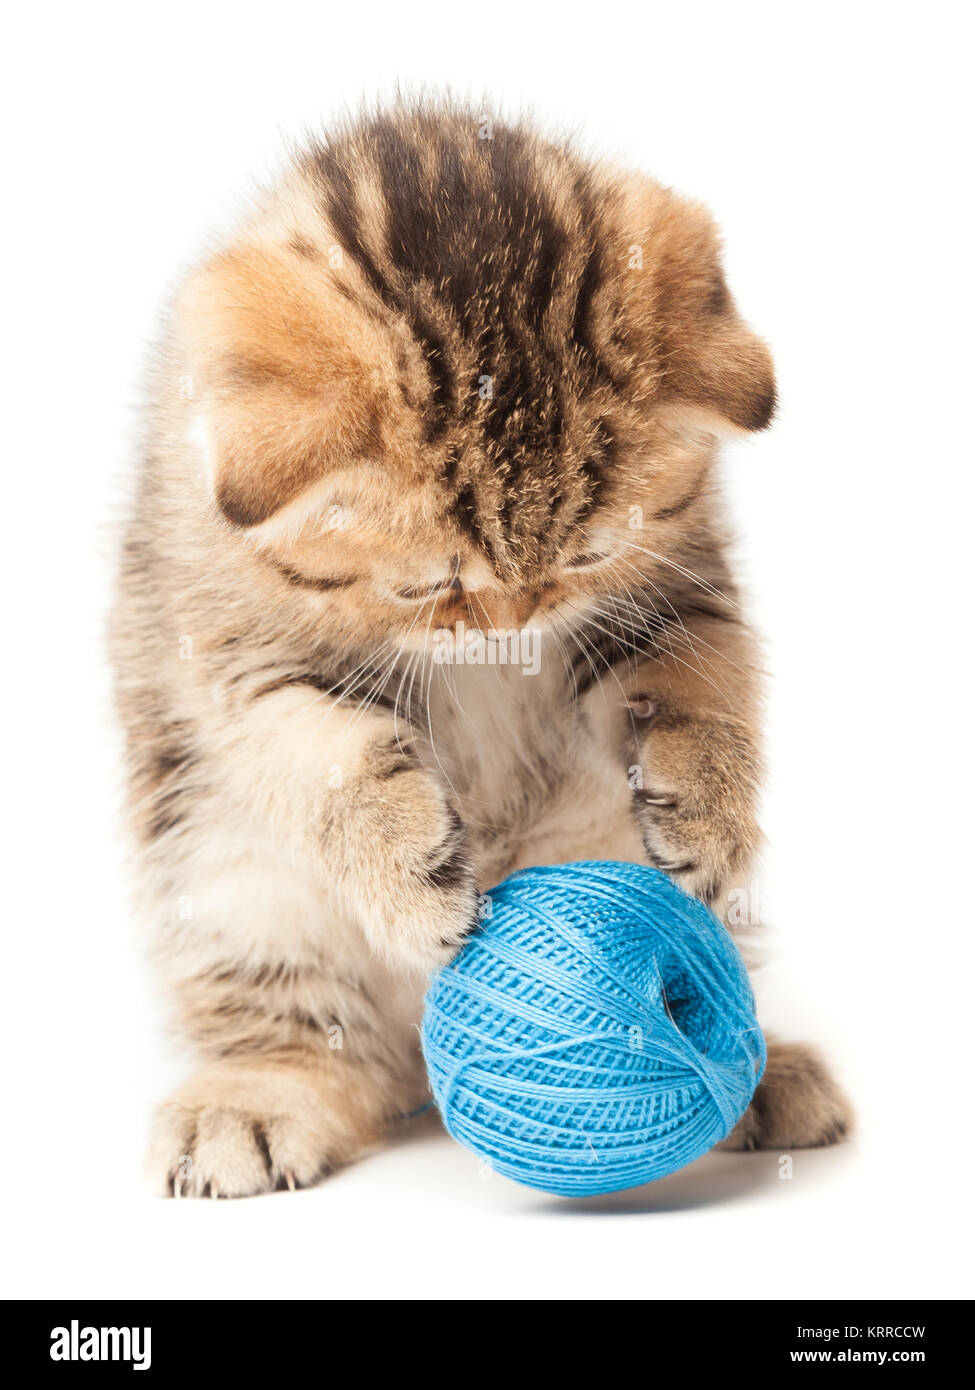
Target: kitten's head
453, 371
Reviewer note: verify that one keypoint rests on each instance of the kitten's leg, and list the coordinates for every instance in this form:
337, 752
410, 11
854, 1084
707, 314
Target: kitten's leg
696, 773
335, 790
326, 873
694, 753
798, 1105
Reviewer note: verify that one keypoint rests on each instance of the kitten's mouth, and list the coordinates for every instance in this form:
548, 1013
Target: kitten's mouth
463, 642
461, 629
460, 645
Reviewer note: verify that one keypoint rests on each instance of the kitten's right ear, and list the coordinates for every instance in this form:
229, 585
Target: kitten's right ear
287, 378
708, 365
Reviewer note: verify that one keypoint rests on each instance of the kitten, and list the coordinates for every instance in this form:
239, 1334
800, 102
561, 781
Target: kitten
425, 582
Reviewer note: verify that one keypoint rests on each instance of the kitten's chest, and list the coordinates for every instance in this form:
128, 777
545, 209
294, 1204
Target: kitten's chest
538, 776
501, 737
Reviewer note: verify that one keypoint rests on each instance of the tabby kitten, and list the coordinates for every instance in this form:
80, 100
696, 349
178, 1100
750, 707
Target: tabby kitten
424, 582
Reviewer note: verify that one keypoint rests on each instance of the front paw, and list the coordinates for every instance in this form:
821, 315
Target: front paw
694, 786
415, 882
237, 1130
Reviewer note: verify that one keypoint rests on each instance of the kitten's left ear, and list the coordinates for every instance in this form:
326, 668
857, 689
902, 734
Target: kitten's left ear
683, 322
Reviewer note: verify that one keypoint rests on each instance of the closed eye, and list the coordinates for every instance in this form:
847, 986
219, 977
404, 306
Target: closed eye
418, 591
588, 560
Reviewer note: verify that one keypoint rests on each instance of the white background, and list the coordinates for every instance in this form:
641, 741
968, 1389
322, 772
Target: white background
830, 141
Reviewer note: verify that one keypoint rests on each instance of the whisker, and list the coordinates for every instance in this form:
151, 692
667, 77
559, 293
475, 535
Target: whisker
694, 639
578, 637
686, 573
433, 742
698, 669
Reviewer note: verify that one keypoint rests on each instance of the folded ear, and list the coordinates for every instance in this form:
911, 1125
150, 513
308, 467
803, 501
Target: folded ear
707, 361
287, 378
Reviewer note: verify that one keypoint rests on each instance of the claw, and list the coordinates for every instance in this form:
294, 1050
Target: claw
289, 1178
177, 1187
214, 1191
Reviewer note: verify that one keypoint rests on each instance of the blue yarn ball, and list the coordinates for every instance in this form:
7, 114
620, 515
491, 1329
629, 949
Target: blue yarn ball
596, 1033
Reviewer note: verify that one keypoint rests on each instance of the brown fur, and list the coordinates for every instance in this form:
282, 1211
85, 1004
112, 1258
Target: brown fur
435, 379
